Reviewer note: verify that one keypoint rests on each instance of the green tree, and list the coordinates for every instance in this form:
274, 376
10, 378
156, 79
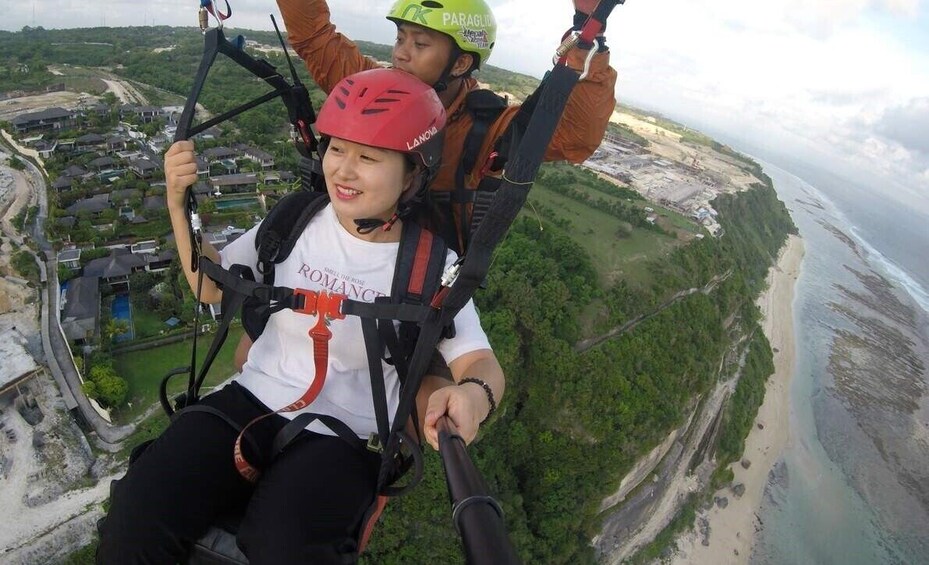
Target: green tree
104, 385
114, 327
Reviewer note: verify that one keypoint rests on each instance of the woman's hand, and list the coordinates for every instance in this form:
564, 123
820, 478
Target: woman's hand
180, 173
466, 405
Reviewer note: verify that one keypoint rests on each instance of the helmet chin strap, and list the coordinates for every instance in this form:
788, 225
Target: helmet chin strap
367, 225
441, 85
405, 209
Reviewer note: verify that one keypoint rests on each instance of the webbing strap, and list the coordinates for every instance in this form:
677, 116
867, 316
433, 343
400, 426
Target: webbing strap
510, 197
370, 520
420, 263
326, 307
375, 351
299, 423
231, 303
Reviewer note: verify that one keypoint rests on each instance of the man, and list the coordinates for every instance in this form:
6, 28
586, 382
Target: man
442, 43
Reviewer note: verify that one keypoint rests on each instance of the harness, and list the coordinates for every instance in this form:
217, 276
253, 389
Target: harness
417, 279
431, 298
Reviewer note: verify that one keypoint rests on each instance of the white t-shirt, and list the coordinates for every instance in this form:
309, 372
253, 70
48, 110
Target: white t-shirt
280, 365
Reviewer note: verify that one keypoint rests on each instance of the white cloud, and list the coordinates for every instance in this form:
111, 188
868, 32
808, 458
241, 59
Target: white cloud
814, 76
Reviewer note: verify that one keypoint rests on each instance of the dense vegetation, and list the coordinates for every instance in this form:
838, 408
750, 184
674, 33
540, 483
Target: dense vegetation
572, 423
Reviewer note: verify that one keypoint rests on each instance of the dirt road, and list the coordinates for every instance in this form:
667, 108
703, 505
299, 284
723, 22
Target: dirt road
125, 92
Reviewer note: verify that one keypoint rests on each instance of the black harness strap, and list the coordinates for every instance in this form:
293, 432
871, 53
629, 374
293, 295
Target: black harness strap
283, 226
295, 96
485, 107
299, 423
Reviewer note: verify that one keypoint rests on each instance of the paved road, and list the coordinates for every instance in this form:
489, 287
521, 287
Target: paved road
57, 352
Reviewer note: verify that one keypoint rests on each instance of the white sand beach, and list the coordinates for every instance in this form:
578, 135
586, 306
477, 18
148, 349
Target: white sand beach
732, 529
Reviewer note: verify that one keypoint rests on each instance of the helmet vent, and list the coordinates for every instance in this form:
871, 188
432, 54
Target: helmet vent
340, 102
392, 91
385, 100
345, 91
363, 92
368, 111
432, 4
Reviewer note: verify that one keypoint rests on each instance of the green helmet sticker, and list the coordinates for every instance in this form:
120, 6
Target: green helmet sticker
469, 23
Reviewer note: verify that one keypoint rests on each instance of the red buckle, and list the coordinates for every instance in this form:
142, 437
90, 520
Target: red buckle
330, 305
310, 298
304, 132
487, 164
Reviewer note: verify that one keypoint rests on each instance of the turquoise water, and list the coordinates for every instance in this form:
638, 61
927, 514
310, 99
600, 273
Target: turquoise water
236, 203
852, 486
121, 310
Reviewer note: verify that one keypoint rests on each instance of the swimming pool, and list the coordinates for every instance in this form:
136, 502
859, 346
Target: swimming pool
236, 203
121, 310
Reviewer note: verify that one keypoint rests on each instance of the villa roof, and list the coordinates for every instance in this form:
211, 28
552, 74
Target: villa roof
81, 298
120, 263
47, 114
74, 171
90, 138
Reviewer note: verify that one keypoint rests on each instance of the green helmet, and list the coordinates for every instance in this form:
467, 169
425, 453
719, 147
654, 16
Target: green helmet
470, 23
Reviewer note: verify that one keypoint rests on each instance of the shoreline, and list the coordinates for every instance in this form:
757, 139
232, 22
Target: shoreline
733, 528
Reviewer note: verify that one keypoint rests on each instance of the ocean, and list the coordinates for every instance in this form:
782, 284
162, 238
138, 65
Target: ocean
852, 486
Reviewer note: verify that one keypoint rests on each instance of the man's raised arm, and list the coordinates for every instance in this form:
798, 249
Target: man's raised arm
329, 55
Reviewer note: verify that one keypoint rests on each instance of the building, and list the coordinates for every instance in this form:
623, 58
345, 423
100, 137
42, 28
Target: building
93, 205
203, 168
115, 269
635, 162
154, 203
143, 247
148, 114
246, 182
89, 141
115, 143
100, 164
145, 114
124, 195
215, 154
46, 149
74, 171
263, 158
46, 120
70, 258
279, 177
80, 309
16, 364
62, 184
143, 168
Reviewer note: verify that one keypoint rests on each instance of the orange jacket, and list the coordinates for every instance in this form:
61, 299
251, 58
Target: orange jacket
330, 56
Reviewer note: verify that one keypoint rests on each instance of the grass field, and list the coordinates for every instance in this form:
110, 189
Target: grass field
143, 370
146, 323
615, 257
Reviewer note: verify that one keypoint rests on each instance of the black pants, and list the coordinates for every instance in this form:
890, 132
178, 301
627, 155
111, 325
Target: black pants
308, 501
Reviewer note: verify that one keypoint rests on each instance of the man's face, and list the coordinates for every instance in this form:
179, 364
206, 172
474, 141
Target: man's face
421, 52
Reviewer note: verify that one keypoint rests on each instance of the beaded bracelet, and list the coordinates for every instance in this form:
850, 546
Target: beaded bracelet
490, 395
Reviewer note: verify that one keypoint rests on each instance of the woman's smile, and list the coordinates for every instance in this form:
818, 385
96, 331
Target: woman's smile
346, 192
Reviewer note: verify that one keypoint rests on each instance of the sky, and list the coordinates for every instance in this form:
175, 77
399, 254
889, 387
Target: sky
842, 83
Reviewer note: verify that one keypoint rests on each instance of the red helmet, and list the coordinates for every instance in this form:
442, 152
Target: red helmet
386, 108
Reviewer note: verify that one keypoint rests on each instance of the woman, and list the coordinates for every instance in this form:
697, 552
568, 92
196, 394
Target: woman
381, 130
